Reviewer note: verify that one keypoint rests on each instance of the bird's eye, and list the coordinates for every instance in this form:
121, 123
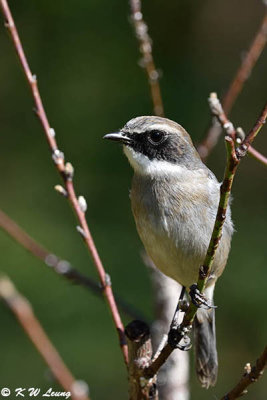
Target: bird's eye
156, 137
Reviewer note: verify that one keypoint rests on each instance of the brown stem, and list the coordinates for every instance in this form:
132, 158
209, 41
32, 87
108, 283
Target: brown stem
175, 372
22, 309
246, 67
140, 353
64, 170
257, 155
236, 86
145, 42
250, 376
245, 145
61, 267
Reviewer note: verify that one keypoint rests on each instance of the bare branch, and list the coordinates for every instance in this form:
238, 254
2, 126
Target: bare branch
145, 42
140, 353
60, 266
250, 376
257, 155
246, 66
174, 375
243, 73
218, 111
66, 171
32, 327
245, 145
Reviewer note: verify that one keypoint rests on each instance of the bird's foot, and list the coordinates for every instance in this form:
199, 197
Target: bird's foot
178, 338
198, 299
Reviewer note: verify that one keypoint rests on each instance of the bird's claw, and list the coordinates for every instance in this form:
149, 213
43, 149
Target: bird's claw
198, 299
178, 339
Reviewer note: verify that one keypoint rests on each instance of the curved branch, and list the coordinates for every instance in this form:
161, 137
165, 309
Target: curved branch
141, 32
236, 86
66, 171
245, 145
257, 155
60, 266
250, 376
22, 309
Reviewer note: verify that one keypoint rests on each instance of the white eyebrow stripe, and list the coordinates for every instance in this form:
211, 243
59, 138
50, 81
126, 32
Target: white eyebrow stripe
153, 126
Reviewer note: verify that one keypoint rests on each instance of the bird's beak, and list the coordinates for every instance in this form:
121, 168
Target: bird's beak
118, 137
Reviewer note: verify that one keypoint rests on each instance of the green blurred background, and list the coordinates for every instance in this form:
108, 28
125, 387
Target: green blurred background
86, 59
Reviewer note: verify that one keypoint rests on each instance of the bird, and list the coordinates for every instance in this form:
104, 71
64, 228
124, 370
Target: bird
174, 200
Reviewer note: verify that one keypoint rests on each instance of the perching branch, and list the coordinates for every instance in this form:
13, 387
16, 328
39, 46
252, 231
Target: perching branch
22, 309
234, 156
147, 62
236, 86
250, 376
66, 171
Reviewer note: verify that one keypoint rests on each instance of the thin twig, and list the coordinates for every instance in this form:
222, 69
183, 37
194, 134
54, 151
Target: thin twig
145, 42
234, 156
236, 86
66, 171
246, 66
60, 266
245, 145
22, 309
257, 155
250, 376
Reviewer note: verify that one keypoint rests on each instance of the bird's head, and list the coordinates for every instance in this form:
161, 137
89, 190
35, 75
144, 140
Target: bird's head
155, 145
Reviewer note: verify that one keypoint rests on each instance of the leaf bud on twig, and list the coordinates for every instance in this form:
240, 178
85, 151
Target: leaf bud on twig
247, 369
215, 104
108, 280
7, 289
58, 156
51, 260
69, 171
82, 204
240, 135
81, 231
229, 128
80, 388
137, 16
52, 132
34, 78
63, 267
61, 190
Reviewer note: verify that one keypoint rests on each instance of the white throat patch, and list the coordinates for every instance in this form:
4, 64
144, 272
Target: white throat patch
144, 166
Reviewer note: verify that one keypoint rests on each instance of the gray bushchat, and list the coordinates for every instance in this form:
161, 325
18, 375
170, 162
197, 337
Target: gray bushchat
174, 200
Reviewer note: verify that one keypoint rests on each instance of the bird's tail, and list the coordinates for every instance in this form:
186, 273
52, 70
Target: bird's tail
206, 360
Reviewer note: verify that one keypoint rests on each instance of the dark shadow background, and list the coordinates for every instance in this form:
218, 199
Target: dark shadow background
86, 58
